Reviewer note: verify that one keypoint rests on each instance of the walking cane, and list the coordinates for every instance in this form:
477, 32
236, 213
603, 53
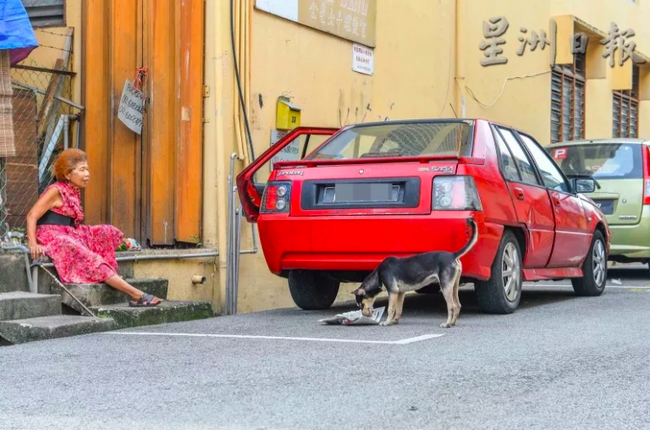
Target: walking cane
40, 264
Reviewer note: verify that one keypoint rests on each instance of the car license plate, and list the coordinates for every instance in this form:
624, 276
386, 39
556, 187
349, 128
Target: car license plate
606, 206
367, 192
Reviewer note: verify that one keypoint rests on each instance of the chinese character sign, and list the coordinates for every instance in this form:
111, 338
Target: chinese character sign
495, 29
350, 19
619, 40
492, 31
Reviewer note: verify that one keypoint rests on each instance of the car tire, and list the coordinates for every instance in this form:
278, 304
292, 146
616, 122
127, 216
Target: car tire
594, 269
312, 290
502, 292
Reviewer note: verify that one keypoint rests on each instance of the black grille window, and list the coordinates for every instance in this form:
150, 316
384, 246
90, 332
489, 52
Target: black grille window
568, 101
625, 121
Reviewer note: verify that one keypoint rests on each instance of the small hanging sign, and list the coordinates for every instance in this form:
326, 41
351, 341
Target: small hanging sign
131, 107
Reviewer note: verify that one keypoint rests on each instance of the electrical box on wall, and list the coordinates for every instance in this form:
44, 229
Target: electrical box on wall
288, 115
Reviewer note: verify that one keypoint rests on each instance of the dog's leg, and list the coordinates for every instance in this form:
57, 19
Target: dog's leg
447, 289
457, 305
392, 304
400, 306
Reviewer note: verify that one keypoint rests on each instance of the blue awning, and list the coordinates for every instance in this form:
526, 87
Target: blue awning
16, 32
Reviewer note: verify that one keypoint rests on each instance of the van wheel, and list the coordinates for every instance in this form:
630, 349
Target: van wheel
312, 290
594, 269
502, 292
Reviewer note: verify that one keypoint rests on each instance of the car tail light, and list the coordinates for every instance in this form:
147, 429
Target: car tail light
646, 175
276, 198
455, 193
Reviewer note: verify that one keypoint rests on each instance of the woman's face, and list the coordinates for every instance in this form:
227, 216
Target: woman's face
80, 175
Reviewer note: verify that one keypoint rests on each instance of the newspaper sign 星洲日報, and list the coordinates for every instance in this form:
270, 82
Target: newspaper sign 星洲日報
131, 106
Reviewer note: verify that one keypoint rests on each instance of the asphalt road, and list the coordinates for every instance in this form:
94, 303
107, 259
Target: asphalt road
558, 362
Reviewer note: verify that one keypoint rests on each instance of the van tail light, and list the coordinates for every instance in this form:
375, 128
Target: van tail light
646, 175
455, 193
276, 198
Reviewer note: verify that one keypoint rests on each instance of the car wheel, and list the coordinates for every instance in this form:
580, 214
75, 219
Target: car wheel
594, 269
502, 292
312, 290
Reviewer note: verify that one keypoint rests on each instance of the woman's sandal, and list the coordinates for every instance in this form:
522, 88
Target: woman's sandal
144, 301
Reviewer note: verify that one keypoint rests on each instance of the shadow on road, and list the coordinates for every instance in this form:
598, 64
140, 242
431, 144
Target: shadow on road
636, 273
434, 304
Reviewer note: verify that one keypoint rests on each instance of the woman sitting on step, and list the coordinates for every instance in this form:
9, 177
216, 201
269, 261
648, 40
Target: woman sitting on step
81, 254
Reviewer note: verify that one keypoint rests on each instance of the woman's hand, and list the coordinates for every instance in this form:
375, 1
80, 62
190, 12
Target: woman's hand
36, 251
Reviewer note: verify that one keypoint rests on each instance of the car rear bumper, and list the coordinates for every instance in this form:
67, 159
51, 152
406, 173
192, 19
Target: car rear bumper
360, 243
632, 241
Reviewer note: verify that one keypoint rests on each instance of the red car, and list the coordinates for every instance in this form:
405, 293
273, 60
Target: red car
338, 201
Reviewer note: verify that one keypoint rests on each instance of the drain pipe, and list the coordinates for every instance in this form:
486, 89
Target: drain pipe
66, 131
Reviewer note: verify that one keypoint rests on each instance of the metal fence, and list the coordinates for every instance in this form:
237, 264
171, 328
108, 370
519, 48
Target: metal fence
45, 120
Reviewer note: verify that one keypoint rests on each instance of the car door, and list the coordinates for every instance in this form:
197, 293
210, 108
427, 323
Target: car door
572, 238
295, 145
531, 200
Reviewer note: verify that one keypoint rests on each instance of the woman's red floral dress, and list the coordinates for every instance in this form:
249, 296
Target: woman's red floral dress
82, 254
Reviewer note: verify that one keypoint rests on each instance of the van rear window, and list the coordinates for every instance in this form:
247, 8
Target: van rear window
602, 161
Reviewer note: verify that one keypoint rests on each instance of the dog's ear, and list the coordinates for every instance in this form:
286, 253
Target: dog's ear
358, 292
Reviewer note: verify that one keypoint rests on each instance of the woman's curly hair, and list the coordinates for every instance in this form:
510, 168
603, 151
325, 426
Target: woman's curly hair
67, 161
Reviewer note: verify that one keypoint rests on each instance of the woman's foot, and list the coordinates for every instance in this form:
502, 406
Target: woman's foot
145, 300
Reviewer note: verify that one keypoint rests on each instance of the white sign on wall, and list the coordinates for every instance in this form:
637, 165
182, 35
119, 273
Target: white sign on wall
285, 8
130, 109
363, 59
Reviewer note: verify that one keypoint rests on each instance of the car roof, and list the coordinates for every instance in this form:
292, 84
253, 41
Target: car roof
627, 140
471, 120
408, 121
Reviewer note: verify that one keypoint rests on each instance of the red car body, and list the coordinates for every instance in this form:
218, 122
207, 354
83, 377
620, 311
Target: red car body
554, 228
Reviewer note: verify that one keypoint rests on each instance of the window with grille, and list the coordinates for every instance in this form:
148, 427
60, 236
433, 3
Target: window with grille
45, 13
568, 101
626, 109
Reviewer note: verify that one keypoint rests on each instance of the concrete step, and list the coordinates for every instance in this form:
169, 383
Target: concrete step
42, 328
13, 274
19, 305
166, 312
101, 294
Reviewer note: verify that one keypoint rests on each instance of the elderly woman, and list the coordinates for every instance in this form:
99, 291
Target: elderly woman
81, 253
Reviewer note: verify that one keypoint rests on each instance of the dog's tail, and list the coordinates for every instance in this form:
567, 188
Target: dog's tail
472, 240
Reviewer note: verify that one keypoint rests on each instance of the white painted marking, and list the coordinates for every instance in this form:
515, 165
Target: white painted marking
308, 339
620, 287
417, 339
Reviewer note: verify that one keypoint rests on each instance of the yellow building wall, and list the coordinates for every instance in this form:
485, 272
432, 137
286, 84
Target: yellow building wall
598, 118
179, 273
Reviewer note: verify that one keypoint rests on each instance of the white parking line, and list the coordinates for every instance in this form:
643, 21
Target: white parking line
308, 339
621, 287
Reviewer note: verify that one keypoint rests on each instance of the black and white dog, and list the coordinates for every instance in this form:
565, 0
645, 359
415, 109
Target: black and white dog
401, 275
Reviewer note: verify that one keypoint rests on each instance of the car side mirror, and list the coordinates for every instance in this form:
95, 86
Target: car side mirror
584, 185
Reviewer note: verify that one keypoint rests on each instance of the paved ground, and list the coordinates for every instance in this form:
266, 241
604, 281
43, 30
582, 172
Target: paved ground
559, 362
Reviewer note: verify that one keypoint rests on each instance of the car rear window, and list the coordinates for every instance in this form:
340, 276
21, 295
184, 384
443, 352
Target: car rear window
602, 161
411, 139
